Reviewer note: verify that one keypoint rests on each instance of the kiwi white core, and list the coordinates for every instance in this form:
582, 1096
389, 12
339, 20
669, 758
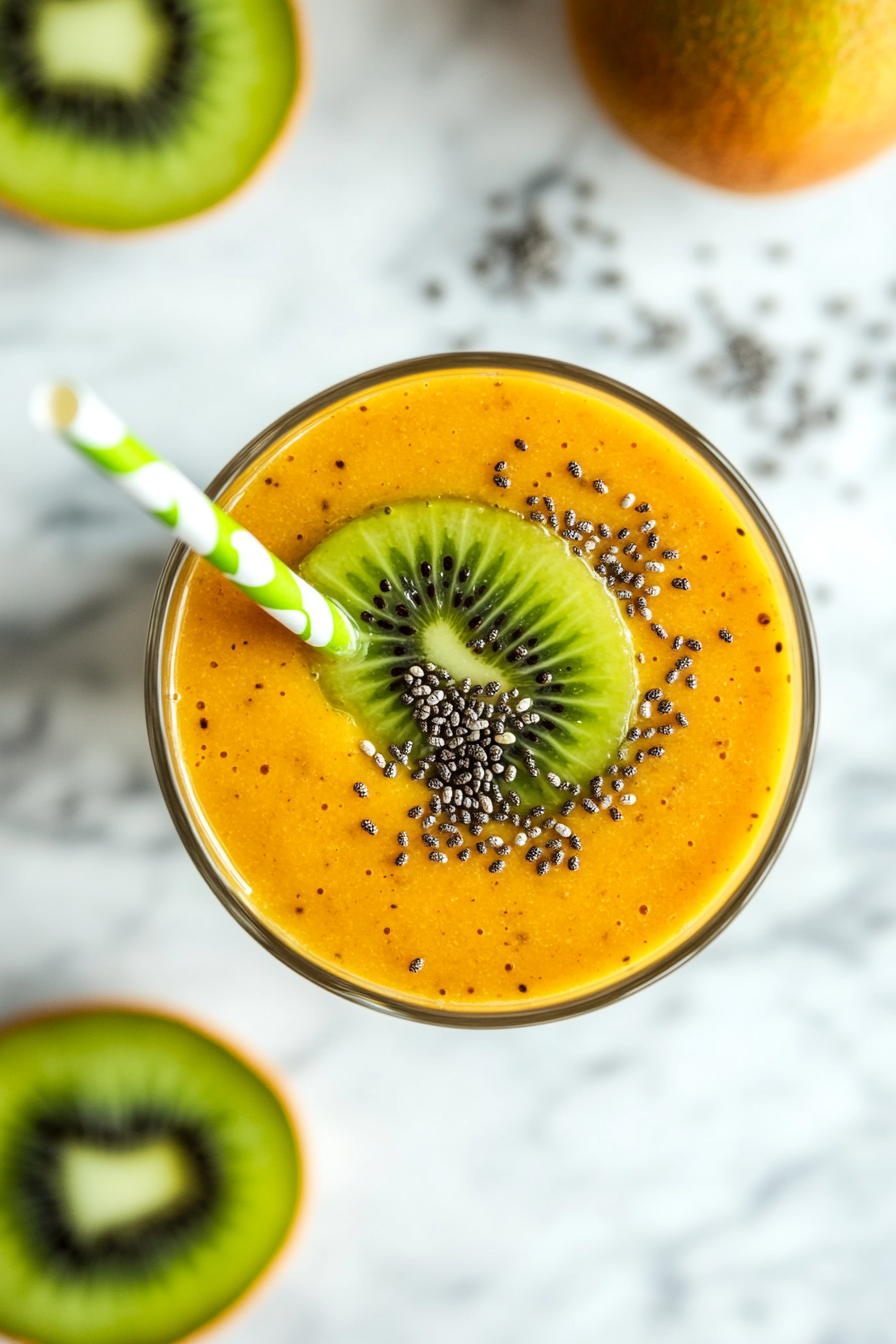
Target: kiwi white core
113, 44
103, 1191
443, 647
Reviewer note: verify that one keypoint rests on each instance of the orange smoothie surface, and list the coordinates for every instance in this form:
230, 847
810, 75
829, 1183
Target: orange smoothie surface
267, 765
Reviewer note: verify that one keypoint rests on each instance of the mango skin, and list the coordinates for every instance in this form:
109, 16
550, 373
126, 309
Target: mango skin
751, 95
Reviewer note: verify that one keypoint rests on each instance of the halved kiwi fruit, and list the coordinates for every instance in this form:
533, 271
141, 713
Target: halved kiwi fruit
125, 114
488, 596
147, 1176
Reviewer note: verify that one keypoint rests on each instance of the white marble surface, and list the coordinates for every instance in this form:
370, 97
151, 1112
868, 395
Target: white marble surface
714, 1161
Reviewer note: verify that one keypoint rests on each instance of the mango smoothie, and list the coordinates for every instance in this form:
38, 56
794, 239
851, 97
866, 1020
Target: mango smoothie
480, 868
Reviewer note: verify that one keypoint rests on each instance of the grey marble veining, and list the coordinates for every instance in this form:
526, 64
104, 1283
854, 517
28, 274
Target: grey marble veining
713, 1161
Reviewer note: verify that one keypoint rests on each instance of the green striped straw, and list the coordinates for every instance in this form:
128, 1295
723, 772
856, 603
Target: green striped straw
78, 416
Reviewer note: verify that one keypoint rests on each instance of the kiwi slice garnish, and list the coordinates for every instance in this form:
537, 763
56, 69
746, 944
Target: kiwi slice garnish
123, 114
491, 598
147, 1176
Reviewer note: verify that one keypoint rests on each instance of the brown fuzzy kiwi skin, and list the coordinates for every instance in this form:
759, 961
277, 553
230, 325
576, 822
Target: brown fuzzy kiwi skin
65, 1008
268, 160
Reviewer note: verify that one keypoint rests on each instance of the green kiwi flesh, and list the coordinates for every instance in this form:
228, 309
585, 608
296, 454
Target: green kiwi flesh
125, 114
489, 596
147, 1176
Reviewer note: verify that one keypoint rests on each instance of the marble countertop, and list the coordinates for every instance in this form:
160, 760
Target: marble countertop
714, 1160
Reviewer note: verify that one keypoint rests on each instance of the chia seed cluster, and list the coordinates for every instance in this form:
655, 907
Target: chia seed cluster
466, 728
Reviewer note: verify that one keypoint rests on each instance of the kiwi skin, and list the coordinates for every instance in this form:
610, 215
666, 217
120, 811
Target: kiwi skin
267, 161
67, 1008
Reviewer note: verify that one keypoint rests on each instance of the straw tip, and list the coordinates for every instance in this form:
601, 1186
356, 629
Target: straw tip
53, 406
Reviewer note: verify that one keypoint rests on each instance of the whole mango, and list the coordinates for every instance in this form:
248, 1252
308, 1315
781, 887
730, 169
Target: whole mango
752, 95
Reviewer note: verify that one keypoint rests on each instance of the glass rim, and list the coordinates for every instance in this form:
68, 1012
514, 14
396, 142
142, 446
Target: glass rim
381, 999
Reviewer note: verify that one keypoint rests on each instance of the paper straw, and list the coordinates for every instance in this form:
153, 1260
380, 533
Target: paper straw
76, 414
